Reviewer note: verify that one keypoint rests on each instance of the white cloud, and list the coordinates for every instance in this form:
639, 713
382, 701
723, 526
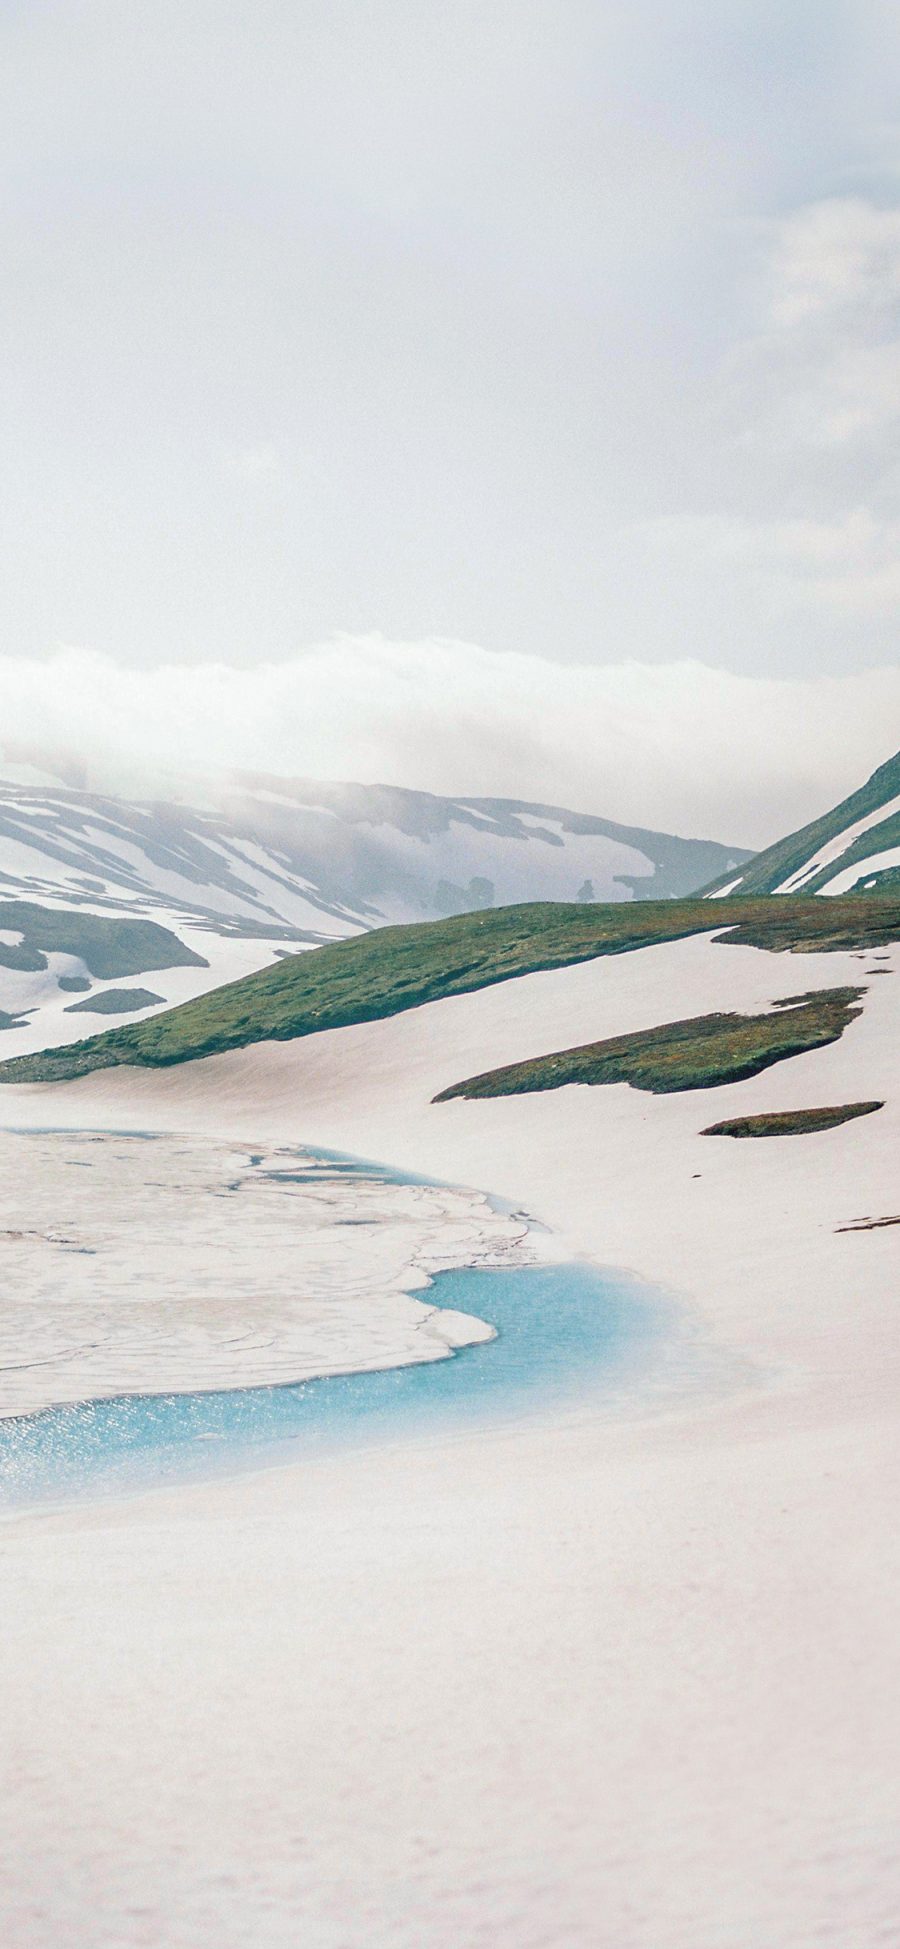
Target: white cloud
808, 551
261, 464
328, 317
836, 396
825, 370
834, 258
680, 746
841, 570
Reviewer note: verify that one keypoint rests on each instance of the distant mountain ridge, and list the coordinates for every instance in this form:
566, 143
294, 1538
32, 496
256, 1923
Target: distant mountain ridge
266, 854
854, 847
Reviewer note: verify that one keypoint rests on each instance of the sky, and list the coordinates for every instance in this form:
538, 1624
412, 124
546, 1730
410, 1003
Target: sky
485, 336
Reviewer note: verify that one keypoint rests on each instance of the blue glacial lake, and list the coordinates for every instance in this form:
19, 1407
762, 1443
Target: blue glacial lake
562, 1331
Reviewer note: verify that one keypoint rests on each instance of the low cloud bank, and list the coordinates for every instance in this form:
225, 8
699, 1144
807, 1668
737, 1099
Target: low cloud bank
680, 746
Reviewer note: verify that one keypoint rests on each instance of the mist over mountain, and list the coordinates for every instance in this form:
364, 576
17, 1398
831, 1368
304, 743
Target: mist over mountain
679, 748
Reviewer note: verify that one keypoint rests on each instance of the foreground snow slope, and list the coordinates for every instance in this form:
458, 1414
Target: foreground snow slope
613, 1684
588, 1160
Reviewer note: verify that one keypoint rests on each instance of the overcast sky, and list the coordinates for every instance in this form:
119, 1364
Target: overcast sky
556, 328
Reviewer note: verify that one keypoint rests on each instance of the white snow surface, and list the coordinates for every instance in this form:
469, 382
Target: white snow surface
857, 875
607, 1683
181, 1264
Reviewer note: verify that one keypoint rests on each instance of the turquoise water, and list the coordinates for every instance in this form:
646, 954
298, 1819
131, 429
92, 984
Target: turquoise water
562, 1330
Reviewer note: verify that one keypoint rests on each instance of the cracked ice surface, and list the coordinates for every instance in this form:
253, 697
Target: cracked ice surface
176, 1264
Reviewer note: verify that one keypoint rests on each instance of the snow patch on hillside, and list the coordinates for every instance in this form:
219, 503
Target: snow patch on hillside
854, 876
835, 848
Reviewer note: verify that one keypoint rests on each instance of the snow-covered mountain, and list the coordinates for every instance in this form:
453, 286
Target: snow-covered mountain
853, 848
255, 867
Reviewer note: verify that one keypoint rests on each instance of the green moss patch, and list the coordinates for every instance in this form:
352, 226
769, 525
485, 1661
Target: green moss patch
115, 1001
698, 1054
791, 1001
8, 1021
109, 947
791, 1123
869, 1224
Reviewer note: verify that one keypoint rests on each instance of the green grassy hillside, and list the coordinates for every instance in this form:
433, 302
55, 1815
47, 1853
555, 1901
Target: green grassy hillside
771, 868
395, 968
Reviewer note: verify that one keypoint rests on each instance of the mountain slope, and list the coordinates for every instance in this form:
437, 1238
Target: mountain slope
259, 867
855, 847
389, 971
262, 854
